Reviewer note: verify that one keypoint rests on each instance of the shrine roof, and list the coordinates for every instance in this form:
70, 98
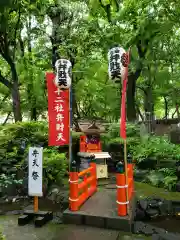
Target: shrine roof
92, 127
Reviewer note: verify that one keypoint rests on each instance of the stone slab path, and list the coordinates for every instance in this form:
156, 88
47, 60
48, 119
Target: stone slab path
51, 231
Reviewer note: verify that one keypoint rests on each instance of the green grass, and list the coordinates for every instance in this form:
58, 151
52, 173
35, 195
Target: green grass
126, 236
145, 190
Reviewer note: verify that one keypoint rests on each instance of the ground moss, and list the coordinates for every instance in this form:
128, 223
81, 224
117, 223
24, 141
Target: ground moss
145, 190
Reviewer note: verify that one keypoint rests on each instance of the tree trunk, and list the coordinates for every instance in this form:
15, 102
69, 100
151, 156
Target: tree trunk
177, 110
148, 101
13, 87
149, 107
165, 108
131, 91
15, 94
139, 113
16, 102
30, 87
131, 108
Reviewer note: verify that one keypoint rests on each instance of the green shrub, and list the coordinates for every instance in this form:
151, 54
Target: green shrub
160, 154
170, 178
2, 237
148, 152
112, 137
162, 178
6, 180
15, 140
131, 141
155, 178
55, 165
157, 148
132, 130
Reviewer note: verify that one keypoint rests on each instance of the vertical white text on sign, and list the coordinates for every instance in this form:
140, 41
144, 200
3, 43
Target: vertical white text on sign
35, 171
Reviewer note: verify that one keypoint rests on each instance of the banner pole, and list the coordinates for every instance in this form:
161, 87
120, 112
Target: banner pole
36, 207
126, 175
125, 81
70, 127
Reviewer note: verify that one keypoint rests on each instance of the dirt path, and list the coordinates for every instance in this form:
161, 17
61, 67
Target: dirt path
8, 224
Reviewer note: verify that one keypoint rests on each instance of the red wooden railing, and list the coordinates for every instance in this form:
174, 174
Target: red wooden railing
81, 191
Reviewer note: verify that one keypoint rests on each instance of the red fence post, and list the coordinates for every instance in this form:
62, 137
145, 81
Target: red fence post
93, 164
121, 190
74, 193
86, 186
130, 175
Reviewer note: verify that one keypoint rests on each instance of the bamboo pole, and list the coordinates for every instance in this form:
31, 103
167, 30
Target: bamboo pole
70, 127
125, 150
126, 175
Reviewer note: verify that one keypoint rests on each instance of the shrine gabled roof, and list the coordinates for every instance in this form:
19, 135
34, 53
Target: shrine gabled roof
93, 126
90, 127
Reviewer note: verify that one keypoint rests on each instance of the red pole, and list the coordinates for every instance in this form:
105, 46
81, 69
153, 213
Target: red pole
94, 184
121, 190
93, 164
131, 175
125, 58
86, 186
73, 194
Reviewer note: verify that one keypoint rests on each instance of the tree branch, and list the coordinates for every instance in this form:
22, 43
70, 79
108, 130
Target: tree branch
107, 9
139, 112
5, 81
21, 43
7, 118
142, 89
4, 99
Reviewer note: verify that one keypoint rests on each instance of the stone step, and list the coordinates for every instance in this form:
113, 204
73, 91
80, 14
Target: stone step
100, 210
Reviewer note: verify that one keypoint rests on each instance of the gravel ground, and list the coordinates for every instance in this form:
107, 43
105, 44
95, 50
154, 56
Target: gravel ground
8, 224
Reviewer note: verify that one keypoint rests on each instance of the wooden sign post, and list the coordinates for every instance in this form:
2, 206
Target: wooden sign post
35, 181
35, 174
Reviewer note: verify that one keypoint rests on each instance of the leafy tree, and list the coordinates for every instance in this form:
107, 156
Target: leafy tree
10, 23
35, 33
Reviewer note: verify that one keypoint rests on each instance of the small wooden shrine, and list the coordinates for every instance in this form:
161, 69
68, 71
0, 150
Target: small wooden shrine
90, 143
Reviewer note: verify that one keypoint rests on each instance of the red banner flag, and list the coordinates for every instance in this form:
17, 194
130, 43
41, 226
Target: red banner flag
58, 112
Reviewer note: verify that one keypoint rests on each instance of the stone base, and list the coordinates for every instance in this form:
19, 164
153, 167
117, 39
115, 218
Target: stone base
24, 219
108, 222
40, 218
100, 211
